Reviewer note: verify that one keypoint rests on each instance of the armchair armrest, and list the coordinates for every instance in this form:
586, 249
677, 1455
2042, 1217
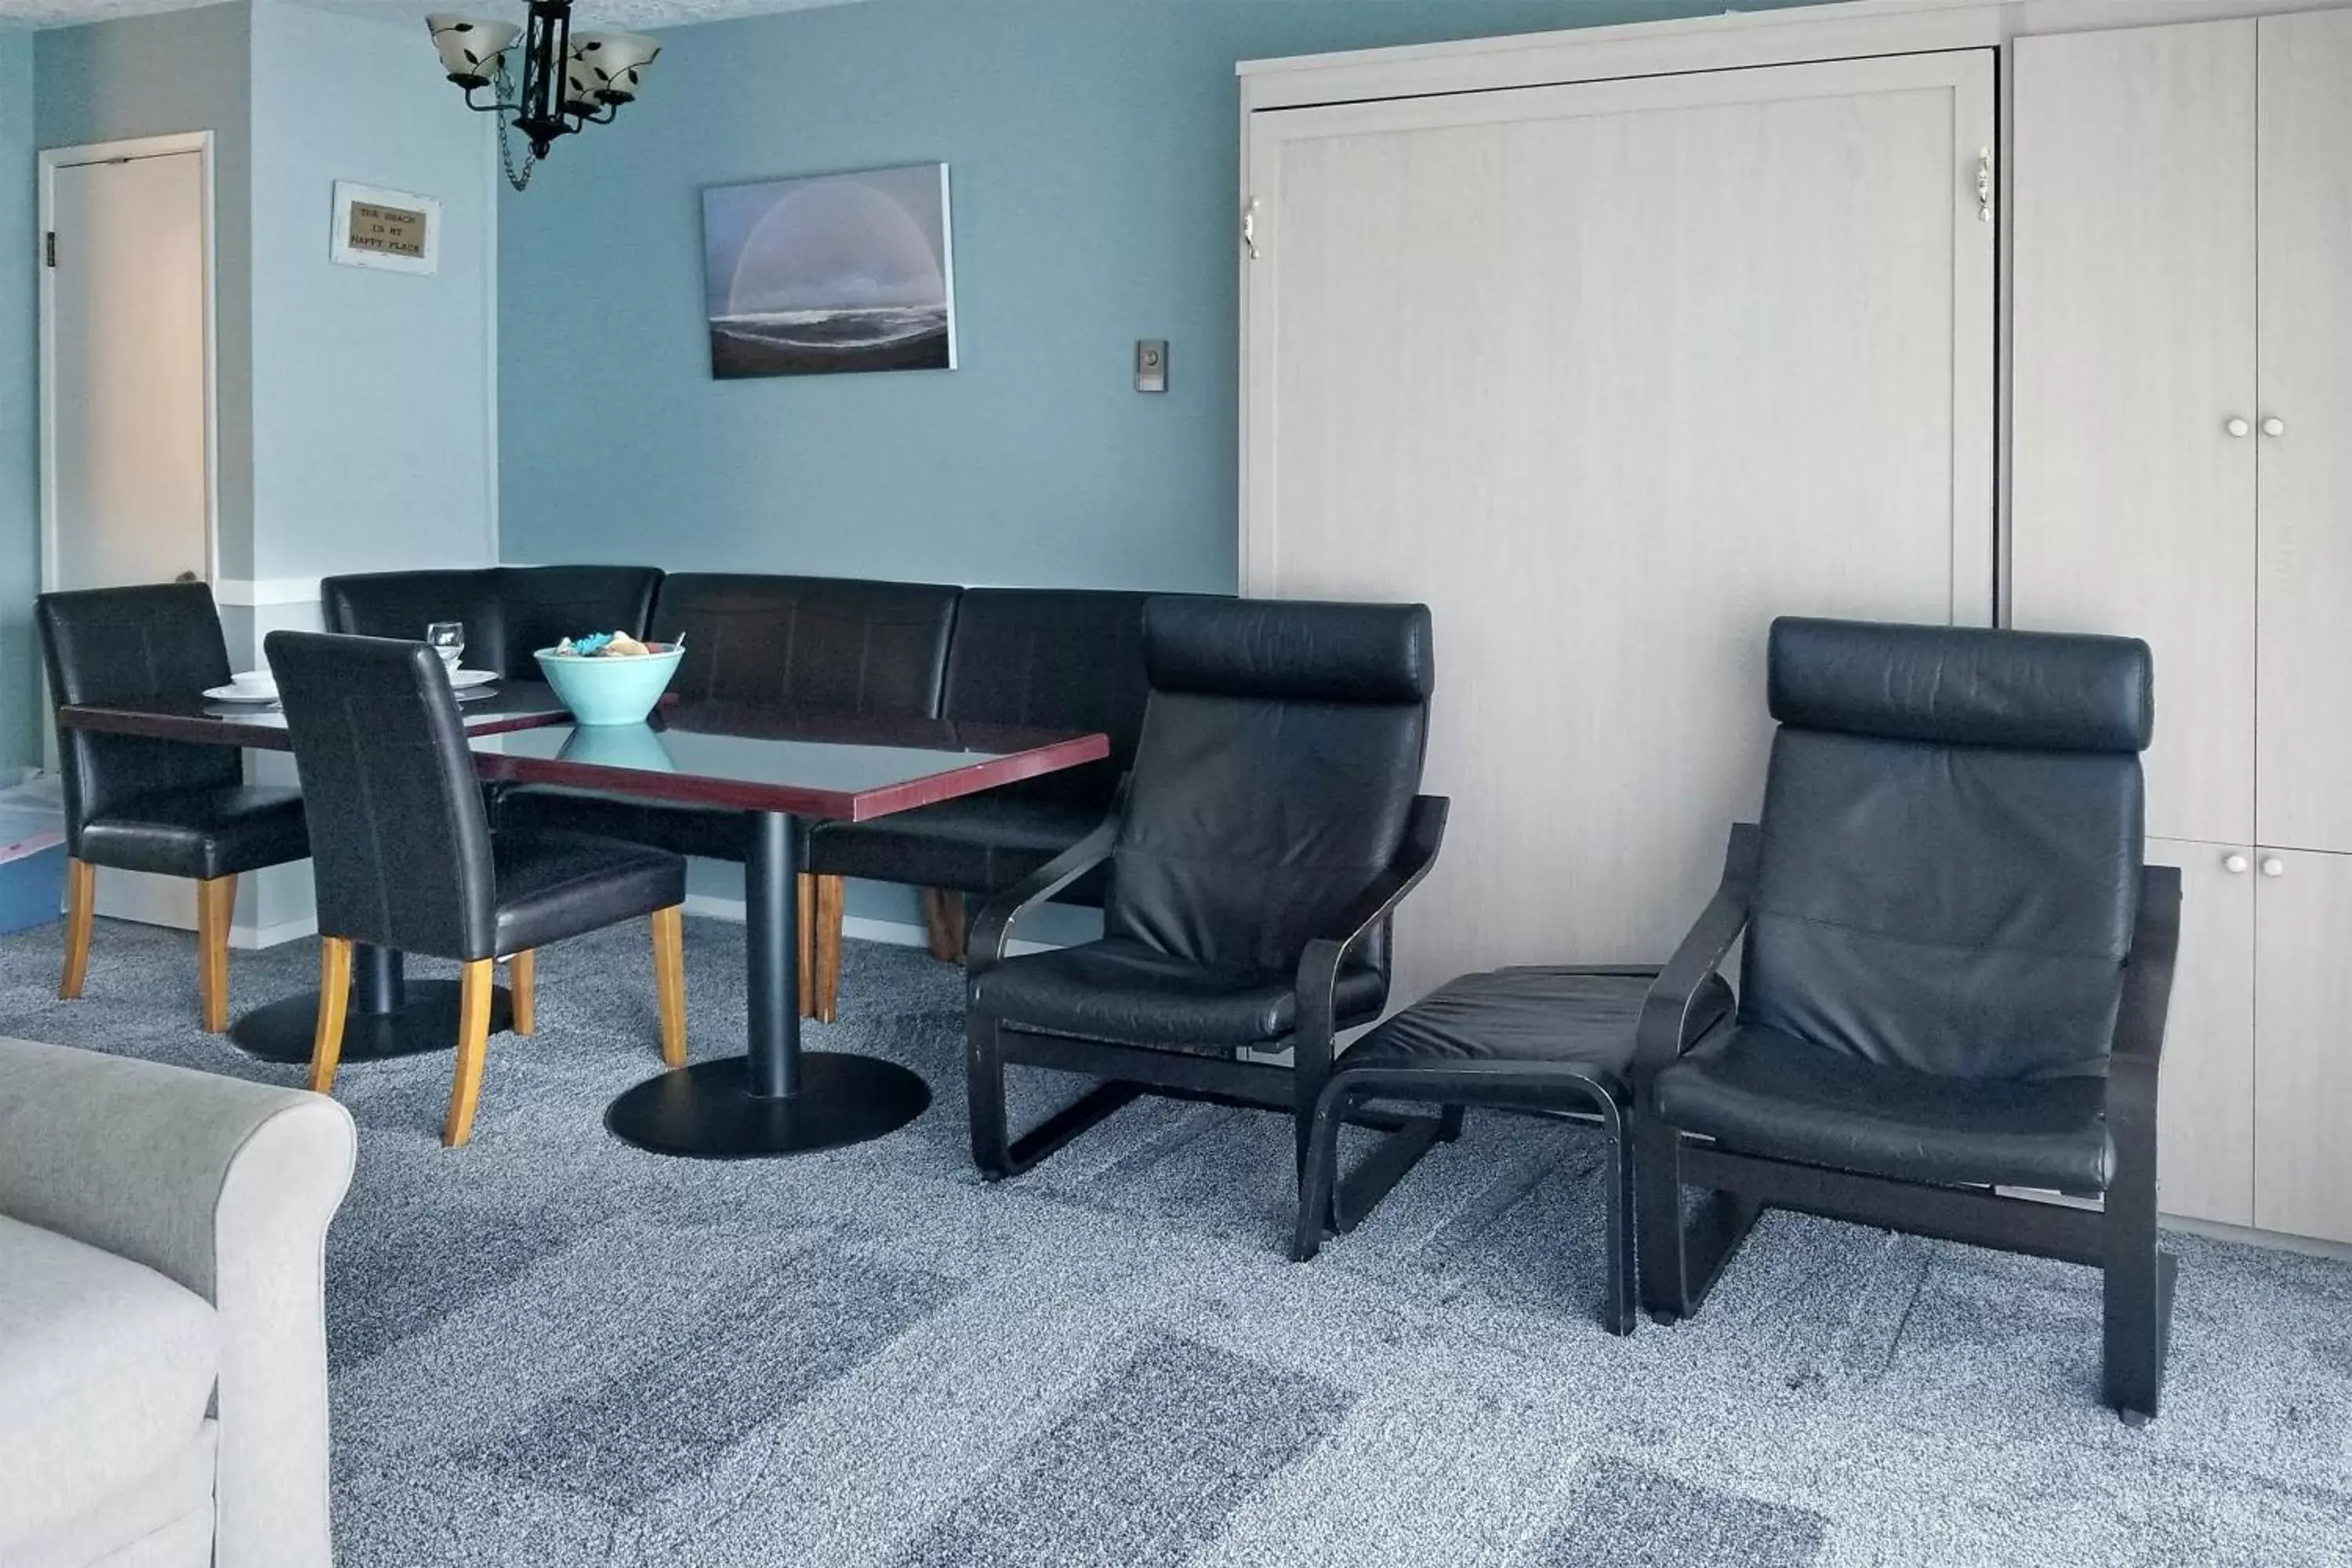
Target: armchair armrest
228, 1188
2147, 970
1663, 1032
992, 929
1318, 964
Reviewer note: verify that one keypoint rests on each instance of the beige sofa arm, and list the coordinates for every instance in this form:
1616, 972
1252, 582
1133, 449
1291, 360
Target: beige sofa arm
227, 1187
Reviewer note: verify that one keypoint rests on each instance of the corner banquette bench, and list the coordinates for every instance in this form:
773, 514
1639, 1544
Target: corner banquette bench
1053, 659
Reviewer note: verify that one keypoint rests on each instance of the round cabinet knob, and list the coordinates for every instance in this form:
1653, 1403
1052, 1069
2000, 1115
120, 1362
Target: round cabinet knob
2235, 865
2273, 867
2239, 429
2273, 426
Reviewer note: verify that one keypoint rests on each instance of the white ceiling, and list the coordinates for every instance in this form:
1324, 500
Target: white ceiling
590, 13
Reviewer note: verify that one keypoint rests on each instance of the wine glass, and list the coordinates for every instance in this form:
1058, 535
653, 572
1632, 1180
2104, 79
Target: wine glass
447, 639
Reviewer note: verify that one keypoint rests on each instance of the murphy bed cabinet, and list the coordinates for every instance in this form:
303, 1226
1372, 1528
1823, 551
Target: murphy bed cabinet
1612, 343
2181, 468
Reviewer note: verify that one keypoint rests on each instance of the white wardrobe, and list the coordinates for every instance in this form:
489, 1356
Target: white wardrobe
2181, 468
1609, 373
1611, 345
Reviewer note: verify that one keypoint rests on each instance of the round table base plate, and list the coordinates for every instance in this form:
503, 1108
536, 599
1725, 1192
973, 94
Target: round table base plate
707, 1113
284, 1031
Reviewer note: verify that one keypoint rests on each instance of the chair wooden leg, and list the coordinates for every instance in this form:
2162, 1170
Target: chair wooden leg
216, 910
334, 997
804, 890
81, 892
669, 982
522, 989
473, 985
828, 958
943, 923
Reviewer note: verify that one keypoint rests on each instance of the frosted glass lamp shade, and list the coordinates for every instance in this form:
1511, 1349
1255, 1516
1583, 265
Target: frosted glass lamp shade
607, 67
470, 49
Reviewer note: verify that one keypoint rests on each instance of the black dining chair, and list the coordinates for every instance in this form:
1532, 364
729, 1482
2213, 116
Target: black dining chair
1955, 979
173, 808
1269, 829
404, 857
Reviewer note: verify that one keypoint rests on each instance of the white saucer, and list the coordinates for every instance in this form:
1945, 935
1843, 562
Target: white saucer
465, 679
239, 694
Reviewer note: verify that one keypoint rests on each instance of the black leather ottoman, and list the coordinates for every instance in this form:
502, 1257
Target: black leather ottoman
1546, 1041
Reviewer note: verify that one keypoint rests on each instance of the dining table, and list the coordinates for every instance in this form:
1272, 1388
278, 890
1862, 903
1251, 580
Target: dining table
783, 769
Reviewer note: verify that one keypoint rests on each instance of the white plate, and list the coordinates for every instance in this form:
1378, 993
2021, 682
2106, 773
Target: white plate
467, 679
240, 694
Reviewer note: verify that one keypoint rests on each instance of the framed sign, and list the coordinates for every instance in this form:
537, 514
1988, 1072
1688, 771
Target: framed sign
389, 230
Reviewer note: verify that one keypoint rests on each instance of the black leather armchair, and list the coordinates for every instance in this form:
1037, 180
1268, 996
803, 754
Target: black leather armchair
1269, 829
404, 857
172, 807
1955, 978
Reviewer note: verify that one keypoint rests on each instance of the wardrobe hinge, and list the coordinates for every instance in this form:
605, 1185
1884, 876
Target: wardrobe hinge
49, 248
1984, 184
1249, 227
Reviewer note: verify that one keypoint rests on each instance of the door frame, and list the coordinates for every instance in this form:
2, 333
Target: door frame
50, 160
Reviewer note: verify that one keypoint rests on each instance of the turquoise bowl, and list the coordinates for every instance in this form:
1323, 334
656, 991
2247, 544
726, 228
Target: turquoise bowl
610, 690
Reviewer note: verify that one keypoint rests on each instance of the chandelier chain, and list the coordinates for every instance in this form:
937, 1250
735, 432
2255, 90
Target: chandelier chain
518, 177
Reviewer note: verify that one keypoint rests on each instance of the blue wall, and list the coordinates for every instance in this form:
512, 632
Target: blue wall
20, 518
1093, 153
372, 416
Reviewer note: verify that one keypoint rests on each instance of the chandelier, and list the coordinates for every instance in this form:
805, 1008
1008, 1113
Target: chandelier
544, 80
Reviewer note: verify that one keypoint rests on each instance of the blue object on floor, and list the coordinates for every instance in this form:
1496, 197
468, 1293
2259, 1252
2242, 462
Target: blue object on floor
32, 856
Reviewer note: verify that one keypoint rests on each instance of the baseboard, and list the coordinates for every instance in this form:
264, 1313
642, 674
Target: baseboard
897, 933
252, 939
2277, 1241
865, 928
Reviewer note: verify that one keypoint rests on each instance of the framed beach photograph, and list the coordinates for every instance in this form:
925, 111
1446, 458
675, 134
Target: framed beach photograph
828, 273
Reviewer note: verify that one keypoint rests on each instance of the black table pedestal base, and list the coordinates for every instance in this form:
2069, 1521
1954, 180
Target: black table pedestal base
707, 1112
388, 1016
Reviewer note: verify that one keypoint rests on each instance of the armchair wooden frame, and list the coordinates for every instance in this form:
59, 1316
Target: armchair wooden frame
1128, 1071
1680, 1261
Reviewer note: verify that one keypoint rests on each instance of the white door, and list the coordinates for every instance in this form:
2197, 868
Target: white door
126, 438
2303, 1052
2305, 710
1611, 374
130, 485
2134, 413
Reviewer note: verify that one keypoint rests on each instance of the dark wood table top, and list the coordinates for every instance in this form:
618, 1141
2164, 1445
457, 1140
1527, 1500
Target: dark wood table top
808, 761
261, 726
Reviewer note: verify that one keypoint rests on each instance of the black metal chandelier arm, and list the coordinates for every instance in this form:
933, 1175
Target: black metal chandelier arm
499, 106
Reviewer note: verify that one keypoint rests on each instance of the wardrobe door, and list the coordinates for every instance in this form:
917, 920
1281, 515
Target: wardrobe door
1610, 375
2305, 753
2133, 409
2302, 1062
2205, 1097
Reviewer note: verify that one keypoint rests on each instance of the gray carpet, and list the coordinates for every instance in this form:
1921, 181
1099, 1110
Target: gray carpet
552, 1350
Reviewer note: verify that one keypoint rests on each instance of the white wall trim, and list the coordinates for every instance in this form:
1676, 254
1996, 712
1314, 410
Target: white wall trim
253, 937
865, 928
254, 594
1729, 40
496, 177
50, 160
